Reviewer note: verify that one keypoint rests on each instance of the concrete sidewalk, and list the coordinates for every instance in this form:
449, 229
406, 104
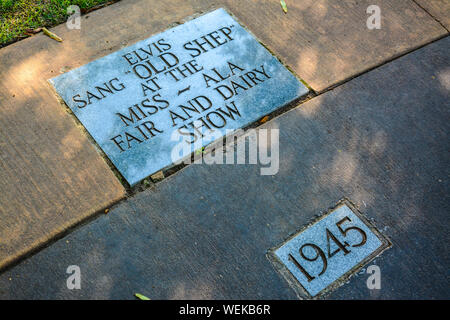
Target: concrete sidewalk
53, 177
381, 140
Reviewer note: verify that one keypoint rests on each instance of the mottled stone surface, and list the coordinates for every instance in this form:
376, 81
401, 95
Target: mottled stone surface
208, 73
380, 140
330, 248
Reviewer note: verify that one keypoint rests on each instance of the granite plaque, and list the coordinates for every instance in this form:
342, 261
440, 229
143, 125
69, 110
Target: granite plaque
330, 249
208, 75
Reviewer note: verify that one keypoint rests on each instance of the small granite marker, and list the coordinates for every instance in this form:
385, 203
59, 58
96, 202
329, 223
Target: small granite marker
330, 249
191, 83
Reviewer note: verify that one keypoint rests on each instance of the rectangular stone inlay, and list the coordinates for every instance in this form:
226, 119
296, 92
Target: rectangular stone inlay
329, 249
143, 103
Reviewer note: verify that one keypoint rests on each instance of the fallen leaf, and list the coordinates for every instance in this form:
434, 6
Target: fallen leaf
51, 34
264, 119
284, 6
157, 176
141, 297
200, 150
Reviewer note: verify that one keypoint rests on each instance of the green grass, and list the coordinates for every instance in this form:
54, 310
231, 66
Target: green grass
18, 15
